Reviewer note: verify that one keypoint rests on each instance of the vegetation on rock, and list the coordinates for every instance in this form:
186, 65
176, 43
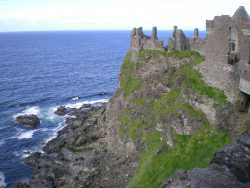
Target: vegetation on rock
147, 119
128, 81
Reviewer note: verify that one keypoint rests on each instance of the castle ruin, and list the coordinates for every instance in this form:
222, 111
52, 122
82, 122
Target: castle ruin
226, 49
227, 54
141, 41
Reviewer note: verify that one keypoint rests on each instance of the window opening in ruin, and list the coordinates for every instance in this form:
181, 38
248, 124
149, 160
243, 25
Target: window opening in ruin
233, 54
249, 57
232, 40
244, 102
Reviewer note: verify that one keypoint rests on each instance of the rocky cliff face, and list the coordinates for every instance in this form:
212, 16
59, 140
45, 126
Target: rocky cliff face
166, 115
162, 119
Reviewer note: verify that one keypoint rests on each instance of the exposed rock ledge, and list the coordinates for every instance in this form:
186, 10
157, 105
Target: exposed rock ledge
228, 169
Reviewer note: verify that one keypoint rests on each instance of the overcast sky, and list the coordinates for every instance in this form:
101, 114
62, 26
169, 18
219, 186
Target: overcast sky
19, 15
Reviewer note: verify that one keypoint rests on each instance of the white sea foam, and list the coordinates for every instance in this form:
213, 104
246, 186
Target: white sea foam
55, 132
47, 114
70, 105
80, 104
69, 116
50, 114
75, 98
26, 134
2, 180
26, 153
30, 110
43, 114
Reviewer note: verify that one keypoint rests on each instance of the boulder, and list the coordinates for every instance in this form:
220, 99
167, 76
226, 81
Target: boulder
61, 111
28, 121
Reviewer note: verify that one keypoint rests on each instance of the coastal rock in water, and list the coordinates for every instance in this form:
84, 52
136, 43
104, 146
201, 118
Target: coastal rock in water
29, 121
61, 111
78, 157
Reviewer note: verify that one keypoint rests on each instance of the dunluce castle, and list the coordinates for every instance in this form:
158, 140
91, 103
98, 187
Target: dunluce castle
226, 49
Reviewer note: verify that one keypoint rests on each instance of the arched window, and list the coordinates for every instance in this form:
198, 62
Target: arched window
232, 40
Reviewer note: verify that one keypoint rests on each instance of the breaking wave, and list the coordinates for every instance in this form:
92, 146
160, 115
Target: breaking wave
2, 180
54, 132
75, 98
42, 113
80, 104
26, 134
28, 111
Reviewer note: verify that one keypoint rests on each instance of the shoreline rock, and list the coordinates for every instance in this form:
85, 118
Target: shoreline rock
61, 111
28, 121
78, 156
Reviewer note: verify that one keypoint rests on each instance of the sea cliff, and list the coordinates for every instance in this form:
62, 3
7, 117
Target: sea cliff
163, 121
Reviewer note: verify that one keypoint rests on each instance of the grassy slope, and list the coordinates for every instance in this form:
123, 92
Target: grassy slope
157, 160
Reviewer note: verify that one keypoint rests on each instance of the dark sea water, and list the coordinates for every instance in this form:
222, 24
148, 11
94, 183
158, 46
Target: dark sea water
41, 70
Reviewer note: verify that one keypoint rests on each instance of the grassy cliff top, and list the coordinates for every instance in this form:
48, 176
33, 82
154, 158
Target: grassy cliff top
162, 91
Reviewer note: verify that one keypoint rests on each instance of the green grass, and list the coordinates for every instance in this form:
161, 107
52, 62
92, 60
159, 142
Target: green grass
176, 54
130, 125
129, 81
173, 103
158, 161
181, 54
191, 79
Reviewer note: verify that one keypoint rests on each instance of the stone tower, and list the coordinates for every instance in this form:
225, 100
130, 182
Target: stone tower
178, 41
139, 41
196, 34
227, 54
241, 16
154, 35
139, 37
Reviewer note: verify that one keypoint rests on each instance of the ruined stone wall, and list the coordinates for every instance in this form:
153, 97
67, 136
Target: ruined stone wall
227, 53
241, 17
216, 47
196, 43
244, 65
141, 41
178, 41
216, 70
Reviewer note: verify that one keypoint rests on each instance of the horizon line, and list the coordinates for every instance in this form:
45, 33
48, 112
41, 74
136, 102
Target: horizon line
89, 30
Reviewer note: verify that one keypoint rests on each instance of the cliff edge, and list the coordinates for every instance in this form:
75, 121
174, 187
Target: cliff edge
163, 118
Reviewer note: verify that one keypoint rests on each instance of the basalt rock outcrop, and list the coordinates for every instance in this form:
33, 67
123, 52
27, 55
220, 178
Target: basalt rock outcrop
28, 121
61, 111
78, 157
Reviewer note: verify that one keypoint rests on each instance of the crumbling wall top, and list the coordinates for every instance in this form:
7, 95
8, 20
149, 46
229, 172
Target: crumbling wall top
141, 41
241, 14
